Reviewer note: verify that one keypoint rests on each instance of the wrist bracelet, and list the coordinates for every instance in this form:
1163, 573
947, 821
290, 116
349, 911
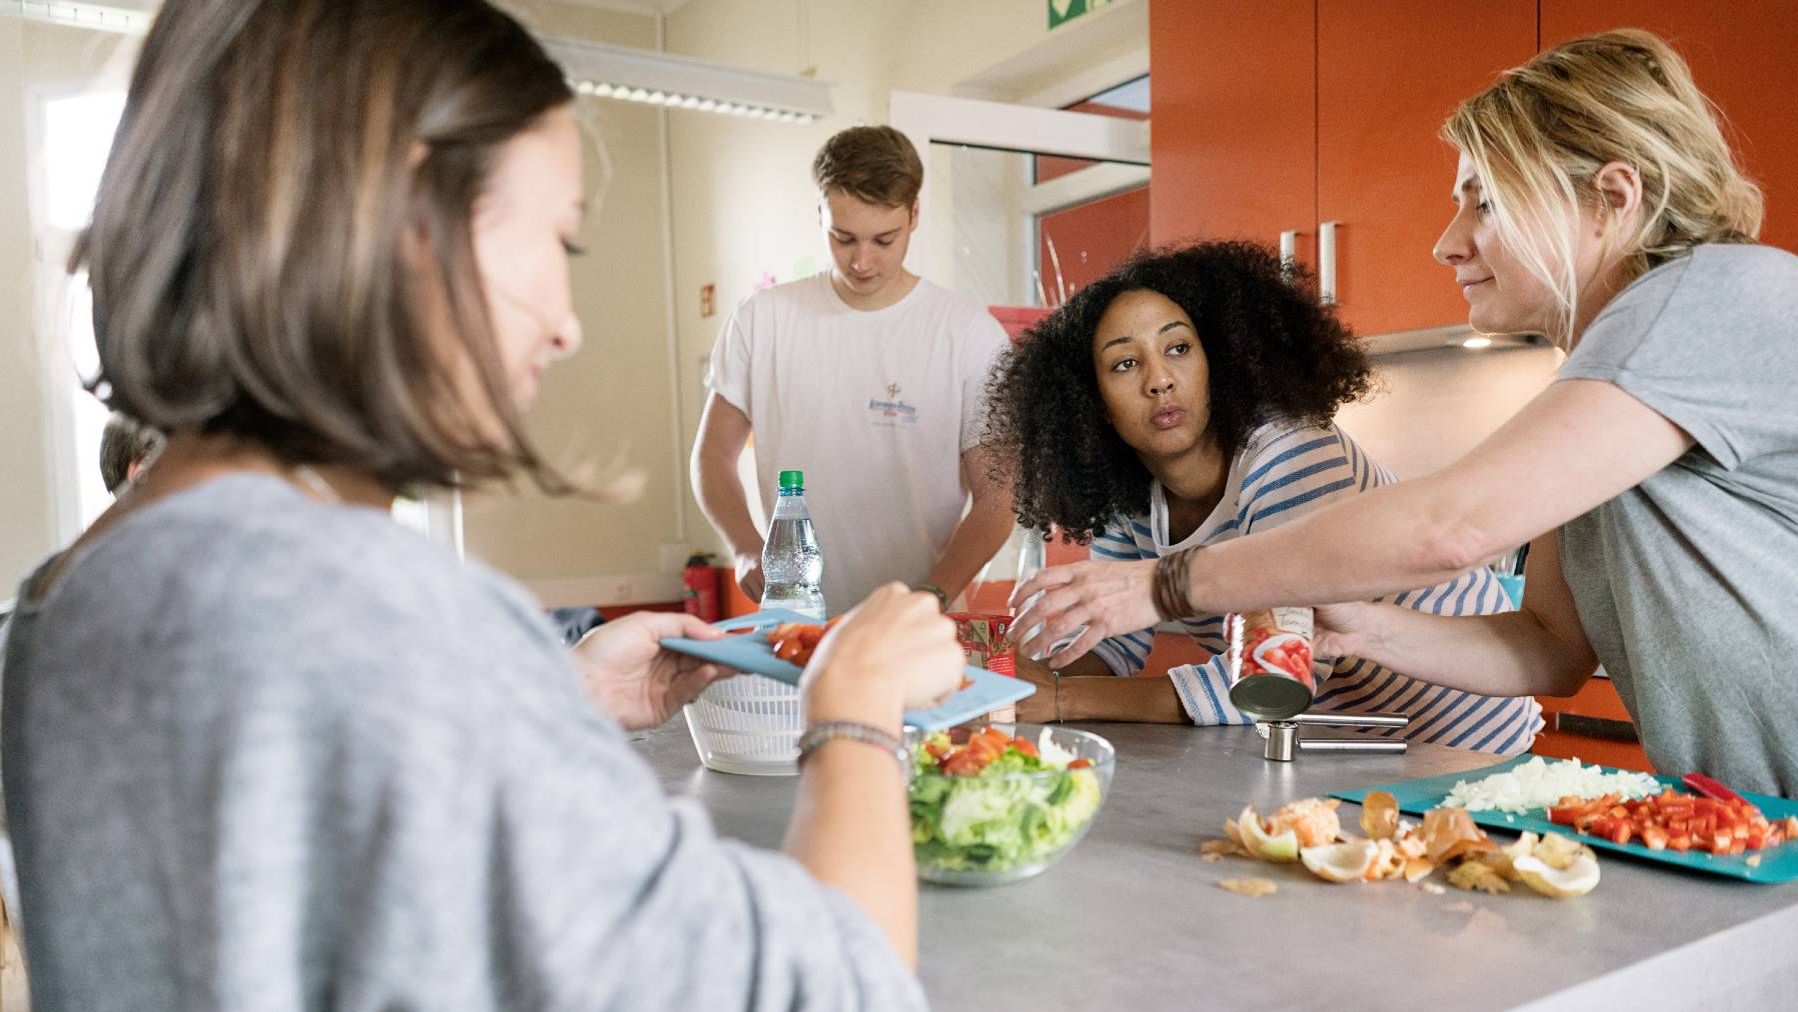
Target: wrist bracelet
848, 730
1169, 587
942, 596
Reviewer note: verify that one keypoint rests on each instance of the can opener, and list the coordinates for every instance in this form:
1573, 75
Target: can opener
1284, 743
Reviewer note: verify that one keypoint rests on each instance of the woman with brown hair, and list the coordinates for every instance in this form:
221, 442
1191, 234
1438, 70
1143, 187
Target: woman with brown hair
1596, 202
267, 749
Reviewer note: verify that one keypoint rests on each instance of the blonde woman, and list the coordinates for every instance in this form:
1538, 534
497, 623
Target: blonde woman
1597, 202
265, 748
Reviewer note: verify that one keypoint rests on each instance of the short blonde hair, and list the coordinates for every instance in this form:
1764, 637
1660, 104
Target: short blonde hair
1539, 135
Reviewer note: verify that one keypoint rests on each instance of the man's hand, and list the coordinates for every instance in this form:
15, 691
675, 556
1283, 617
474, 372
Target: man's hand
749, 575
628, 674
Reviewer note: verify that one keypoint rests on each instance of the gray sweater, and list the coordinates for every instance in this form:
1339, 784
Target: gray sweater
266, 754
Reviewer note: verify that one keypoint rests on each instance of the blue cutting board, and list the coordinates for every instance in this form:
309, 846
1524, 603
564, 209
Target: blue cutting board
1778, 864
753, 653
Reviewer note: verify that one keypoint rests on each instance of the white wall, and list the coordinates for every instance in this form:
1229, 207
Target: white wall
27, 529
613, 399
1437, 405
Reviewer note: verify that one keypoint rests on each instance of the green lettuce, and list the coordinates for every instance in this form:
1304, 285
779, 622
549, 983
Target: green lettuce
995, 820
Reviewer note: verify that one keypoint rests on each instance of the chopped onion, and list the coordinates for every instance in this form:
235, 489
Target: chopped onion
1539, 783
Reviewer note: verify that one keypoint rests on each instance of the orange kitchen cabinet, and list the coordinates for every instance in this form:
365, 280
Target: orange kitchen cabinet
1388, 73
1280, 116
1234, 144
1597, 699
1741, 56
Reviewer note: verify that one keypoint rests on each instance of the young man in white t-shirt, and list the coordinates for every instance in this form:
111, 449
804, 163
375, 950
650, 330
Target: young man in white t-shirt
872, 381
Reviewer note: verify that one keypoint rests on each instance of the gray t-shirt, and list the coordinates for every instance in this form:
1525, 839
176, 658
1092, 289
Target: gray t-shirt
1687, 584
266, 754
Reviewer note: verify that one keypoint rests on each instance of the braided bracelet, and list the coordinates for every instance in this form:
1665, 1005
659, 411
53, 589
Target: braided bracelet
1169, 588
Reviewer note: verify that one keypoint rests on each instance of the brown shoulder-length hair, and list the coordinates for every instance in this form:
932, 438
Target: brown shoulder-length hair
290, 188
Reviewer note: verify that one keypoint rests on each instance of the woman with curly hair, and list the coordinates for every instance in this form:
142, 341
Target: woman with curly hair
1185, 400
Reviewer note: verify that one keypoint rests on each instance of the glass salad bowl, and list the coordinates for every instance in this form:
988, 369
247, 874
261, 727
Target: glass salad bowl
999, 803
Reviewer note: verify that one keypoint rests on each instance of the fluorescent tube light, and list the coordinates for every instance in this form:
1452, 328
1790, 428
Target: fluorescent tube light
684, 82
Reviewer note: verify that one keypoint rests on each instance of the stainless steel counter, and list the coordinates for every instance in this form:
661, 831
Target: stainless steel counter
1133, 919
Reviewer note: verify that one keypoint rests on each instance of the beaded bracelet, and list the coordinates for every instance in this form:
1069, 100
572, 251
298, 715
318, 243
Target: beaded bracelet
848, 730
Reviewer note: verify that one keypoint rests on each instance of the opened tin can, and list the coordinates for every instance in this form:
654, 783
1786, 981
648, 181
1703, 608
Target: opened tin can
1268, 652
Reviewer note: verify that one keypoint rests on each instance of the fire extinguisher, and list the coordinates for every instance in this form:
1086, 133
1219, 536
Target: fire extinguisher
701, 595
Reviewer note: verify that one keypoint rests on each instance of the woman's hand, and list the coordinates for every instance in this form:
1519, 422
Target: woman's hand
1043, 707
1344, 630
1094, 599
894, 652
628, 674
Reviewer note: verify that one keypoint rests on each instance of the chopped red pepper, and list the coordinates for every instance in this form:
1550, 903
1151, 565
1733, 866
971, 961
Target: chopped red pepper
1675, 822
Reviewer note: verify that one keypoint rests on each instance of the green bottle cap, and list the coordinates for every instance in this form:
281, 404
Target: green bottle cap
792, 479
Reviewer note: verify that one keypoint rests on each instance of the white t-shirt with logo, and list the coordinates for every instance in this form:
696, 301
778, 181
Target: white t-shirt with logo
876, 409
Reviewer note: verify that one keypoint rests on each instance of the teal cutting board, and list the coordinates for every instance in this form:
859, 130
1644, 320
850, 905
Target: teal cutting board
1778, 864
753, 653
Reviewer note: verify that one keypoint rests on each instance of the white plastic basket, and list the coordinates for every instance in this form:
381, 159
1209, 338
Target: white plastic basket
747, 724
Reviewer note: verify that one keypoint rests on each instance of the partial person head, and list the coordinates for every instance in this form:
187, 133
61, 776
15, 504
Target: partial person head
339, 229
868, 181
126, 447
1581, 170
1179, 348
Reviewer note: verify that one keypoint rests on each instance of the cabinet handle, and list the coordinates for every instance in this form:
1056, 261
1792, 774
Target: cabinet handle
1326, 262
1289, 251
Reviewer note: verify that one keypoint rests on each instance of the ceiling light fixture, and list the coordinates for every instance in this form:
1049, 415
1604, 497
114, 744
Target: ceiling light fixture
594, 69
683, 82
1477, 342
100, 17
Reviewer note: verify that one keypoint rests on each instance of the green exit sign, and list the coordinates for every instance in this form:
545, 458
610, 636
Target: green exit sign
1063, 11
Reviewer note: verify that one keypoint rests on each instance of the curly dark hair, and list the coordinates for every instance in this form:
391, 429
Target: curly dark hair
1273, 352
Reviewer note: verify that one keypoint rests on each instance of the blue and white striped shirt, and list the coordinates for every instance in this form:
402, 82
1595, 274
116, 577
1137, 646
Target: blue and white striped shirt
1285, 470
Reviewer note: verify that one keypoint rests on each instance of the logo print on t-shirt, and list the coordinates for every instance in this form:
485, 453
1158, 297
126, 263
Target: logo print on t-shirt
892, 413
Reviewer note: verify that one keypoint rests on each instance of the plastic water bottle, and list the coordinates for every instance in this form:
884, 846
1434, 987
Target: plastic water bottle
792, 564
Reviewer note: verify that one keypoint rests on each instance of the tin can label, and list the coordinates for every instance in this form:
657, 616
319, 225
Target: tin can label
1269, 660
982, 638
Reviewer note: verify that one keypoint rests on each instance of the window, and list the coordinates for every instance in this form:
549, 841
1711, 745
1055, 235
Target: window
76, 133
